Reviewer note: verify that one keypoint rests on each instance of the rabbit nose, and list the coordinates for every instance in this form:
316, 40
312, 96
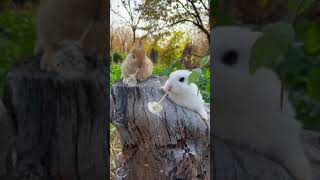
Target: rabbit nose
166, 87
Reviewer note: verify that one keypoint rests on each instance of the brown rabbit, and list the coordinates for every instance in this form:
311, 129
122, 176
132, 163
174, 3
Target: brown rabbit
81, 21
136, 65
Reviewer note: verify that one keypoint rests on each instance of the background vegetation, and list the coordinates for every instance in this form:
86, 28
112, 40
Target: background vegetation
290, 46
17, 37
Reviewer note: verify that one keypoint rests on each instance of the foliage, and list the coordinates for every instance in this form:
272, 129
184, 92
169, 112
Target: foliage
217, 16
17, 38
115, 149
118, 56
292, 49
201, 77
173, 47
171, 13
115, 73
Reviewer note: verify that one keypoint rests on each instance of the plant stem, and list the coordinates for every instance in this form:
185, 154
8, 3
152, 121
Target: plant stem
163, 97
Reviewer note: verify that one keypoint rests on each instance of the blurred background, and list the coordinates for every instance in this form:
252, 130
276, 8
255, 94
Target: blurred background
292, 48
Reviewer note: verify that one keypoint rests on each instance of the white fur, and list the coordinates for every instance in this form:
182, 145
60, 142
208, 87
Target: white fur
185, 94
247, 107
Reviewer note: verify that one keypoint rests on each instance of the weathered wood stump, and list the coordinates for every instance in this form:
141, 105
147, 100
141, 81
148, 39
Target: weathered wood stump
237, 162
232, 161
6, 140
311, 141
173, 146
60, 124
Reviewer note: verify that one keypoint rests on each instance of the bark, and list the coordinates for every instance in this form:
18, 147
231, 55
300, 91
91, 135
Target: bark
236, 162
6, 140
311, 141
59, 124
173, 146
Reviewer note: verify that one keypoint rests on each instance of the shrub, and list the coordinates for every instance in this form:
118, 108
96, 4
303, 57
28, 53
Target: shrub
118, 57
17, 39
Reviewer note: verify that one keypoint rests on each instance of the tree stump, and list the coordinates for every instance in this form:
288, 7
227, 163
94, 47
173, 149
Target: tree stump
233, 161
173, 146
6, 140
60, 124
236, 162
311, 141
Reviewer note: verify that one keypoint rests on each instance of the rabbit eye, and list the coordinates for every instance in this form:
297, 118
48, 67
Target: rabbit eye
181, 79
133, 56
230, 57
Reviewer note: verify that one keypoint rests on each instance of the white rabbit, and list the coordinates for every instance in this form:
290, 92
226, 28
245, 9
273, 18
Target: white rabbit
246, 107
184, 94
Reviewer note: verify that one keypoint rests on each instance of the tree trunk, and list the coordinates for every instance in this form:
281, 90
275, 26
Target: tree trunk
134, 35
173, 146
59, 124
6, 140
311, 141
236, 162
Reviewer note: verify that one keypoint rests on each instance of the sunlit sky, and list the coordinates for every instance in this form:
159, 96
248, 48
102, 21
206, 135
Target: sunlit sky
117, 21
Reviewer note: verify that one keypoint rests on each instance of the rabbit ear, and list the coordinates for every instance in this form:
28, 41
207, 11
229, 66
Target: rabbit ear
140, 43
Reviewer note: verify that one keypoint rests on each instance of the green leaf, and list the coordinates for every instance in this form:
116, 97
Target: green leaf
263, 3
297, 7
176, 64
218, 14
223, 19
195, 76
280, 29
313, 86
300, 26
311, 39
268, 50
205, 61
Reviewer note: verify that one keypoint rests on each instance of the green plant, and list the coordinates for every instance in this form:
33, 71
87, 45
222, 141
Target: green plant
118, 56
173, 48
115, 149
292, 49
17, 39
201, 77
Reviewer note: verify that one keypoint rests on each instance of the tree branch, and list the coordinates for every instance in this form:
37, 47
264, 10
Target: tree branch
198, 17
204, 5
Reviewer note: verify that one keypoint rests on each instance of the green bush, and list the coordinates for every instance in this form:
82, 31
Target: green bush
17, 39
115, 73
297, 64
173, 47
118, 57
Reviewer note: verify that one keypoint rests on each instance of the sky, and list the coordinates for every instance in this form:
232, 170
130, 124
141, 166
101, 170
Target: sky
117, 21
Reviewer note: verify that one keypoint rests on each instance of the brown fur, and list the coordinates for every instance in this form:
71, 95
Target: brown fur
78, 20
137, 62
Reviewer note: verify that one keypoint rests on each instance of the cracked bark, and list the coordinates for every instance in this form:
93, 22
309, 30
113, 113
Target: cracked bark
59, 124
6, 140
173, 146
238, 162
